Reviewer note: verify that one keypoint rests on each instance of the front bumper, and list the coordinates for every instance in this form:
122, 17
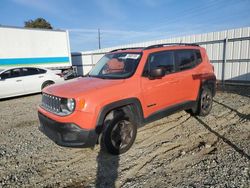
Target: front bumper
67, 134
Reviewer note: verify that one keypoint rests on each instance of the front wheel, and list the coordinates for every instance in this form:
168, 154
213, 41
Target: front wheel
119, 135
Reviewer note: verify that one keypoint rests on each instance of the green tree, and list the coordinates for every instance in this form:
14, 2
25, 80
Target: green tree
38, 23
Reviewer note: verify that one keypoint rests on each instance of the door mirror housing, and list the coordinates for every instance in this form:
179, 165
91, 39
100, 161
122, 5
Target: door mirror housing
157, 73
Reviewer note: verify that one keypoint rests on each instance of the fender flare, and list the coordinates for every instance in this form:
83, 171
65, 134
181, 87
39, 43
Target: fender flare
135, 106
211, 82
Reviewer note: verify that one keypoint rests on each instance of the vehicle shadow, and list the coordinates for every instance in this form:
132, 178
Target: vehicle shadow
241, 116
107, 170
224, 139
235, 89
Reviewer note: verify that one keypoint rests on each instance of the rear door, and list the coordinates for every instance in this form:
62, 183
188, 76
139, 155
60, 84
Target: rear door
187, 61
11, 83
33, 79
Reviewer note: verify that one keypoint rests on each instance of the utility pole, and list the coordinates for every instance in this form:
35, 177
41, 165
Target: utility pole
99, 38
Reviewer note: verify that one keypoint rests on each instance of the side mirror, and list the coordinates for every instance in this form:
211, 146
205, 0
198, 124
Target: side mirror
157, 73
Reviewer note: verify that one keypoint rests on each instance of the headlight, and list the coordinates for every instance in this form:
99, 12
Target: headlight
67, 106
71, 104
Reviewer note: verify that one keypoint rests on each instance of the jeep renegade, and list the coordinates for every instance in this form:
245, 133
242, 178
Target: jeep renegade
126, 89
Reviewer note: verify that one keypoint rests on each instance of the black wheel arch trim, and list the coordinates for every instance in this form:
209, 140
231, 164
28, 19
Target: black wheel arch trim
133, 103
211, 82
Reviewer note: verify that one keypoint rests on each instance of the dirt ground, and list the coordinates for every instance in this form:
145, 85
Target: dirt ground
177, 151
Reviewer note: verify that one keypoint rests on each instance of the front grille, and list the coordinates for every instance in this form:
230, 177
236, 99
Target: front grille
51, 103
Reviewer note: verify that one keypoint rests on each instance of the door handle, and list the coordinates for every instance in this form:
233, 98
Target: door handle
40, 76
18, 80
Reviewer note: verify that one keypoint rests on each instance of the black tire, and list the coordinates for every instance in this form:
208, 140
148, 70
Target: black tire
204, 104
119, 134
46, 84
191, 112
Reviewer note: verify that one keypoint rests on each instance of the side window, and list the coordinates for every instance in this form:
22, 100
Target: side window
6, 74
30, 71
25, 72
198, 56
42, 71
161, 59
185, 59
13, 73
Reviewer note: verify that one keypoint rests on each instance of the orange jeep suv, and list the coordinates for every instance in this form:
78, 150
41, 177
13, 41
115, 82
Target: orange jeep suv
126, 89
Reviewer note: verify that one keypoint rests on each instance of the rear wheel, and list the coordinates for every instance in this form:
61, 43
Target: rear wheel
204, 104
119, 135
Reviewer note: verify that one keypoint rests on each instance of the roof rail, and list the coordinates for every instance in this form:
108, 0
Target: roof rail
170, 44
127, 49
157, 46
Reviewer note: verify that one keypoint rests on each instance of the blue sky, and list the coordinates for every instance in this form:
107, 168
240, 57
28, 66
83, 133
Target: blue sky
128, 21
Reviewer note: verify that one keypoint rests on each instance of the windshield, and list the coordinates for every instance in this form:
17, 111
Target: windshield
116, 66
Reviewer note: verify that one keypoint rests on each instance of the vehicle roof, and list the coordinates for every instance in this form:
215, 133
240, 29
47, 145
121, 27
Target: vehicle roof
13, 67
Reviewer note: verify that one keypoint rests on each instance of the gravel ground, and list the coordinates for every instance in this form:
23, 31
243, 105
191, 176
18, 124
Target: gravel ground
177, 151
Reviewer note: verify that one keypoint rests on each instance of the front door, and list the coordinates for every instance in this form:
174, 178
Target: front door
11, 83
164, 92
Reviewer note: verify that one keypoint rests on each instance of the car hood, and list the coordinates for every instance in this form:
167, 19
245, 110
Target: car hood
79, 86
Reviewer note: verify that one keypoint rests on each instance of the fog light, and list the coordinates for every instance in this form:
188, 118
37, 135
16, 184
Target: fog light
71, 136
